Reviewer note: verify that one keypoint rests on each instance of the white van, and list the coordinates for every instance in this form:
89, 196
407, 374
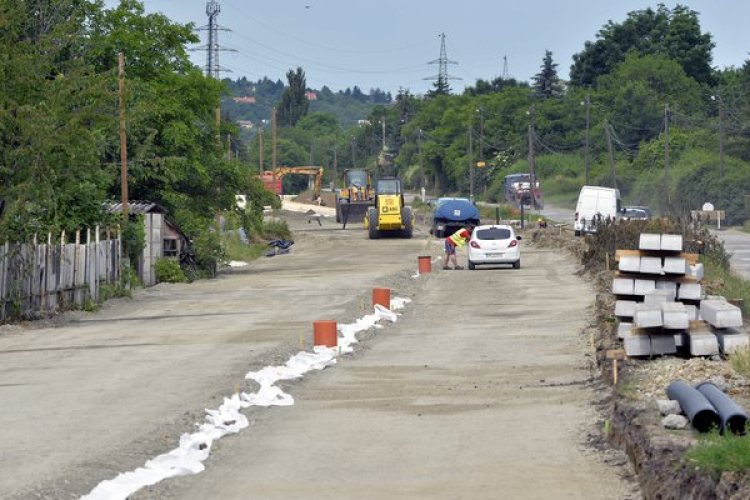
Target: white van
595, 204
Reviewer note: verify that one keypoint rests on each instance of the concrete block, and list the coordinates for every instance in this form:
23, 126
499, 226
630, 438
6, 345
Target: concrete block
663, 344
731, 340
671, 242
651, 265
695, 271
703, 344
692, 312
622, 286
623, 330
675, 265
630, 264
667, 285
642, 287
689, 291
658, 297
647, 316
675, 316
721, 314
625, 308
637, 345
650, 242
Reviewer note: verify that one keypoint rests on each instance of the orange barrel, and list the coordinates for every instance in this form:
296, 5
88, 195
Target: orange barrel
324, 333
381, 296
425, 264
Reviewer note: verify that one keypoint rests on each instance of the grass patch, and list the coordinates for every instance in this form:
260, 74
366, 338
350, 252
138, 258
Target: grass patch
723, 281
741, 362
236, 249
721, 453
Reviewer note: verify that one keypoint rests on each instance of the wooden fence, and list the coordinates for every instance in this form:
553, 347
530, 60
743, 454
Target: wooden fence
42, 277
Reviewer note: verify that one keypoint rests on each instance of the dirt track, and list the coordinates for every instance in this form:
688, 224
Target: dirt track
481, 390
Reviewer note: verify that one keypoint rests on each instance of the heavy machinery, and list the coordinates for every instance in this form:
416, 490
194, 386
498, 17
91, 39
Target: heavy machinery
357, 195
520, 190
390, 215
272, 178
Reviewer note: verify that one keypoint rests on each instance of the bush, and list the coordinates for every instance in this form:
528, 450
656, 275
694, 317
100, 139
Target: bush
210, 253
277, 230
169, 271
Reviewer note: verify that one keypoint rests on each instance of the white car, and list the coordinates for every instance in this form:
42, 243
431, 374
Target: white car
494, 244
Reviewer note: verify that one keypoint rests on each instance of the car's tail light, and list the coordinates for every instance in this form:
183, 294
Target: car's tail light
474, 244
576, 216
513, 243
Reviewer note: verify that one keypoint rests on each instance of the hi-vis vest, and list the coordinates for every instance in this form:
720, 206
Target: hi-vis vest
457, 239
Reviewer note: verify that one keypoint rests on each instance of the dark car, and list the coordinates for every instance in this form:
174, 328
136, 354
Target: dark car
452, 214
635, 213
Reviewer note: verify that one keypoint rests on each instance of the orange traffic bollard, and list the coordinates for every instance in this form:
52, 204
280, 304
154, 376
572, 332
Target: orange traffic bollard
381, 296
324, 333
425, 264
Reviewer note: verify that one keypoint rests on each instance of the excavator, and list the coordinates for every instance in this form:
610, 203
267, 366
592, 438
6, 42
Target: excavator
357, 195
278, 174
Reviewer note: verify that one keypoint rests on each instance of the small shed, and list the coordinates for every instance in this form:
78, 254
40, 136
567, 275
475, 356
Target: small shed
163, 237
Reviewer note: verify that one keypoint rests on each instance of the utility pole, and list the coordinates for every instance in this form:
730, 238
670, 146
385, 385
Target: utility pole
721, 136
382, 122
471, 163
532, 157
587, 103
666, 156
421, 163
481, 146
273, 139
335, 166
611, 155
260, 148
229, 146
354, 158
123, 138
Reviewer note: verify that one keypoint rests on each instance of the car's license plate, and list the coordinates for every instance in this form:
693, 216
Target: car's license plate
493, 255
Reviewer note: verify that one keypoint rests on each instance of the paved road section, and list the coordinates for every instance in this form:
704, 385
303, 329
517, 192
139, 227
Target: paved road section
480, 391
738, 244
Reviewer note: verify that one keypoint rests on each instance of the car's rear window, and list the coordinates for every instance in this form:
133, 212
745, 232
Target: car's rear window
493, 233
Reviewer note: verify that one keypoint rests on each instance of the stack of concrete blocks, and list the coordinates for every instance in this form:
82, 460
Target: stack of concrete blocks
659, 295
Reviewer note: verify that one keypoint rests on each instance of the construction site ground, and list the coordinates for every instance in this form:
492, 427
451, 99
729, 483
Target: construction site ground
485, 388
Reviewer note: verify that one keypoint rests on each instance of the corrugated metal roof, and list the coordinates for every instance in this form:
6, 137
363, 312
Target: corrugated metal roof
135, 207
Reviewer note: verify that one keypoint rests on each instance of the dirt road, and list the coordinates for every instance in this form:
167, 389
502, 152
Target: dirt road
479, 391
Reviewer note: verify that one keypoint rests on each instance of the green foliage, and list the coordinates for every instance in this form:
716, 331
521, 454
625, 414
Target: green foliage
134, 237
546, 83
294, 104
168, 271
719, 453
740, 361
277, 230
210, 254
675, 33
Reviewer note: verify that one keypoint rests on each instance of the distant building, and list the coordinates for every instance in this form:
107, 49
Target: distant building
363, 122
245, 124
244, 100
311, 96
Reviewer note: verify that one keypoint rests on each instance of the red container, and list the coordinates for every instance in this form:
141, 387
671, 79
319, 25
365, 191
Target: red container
381, 296
324, 333
425, 264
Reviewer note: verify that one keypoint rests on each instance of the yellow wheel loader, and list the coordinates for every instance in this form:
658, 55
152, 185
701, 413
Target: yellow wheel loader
389, 215
357, 195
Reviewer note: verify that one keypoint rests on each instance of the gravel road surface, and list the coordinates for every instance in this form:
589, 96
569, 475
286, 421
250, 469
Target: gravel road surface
481, 390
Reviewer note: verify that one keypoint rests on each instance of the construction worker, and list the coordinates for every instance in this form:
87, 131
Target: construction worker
457, 239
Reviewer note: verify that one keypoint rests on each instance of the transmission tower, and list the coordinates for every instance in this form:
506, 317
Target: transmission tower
442, 78
212, 48
505, 67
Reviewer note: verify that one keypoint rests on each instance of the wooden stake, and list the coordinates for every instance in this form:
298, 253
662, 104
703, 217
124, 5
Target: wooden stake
614, 371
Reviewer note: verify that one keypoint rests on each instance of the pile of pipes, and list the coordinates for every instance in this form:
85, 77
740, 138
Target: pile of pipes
660, 304
706, 407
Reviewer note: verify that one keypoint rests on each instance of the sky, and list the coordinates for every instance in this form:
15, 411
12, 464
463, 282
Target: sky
387, 44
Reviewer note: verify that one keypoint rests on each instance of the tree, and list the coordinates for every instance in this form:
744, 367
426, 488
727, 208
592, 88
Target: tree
294, 104
674, 33
440, 87
546, 82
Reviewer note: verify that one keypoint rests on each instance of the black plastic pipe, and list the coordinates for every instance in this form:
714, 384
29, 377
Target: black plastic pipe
733, 418
695, 405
